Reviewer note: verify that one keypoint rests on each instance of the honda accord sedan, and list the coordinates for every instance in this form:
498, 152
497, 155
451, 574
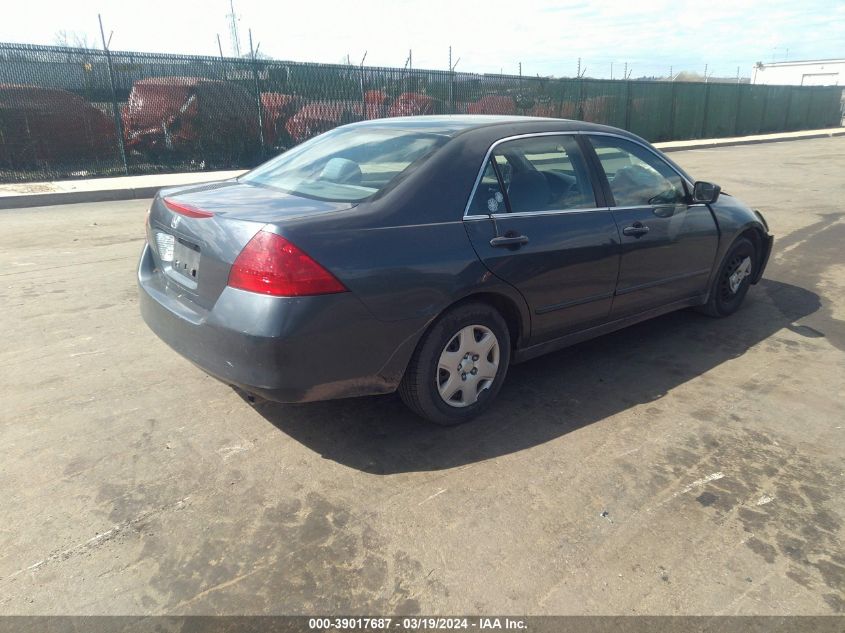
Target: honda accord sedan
427, 254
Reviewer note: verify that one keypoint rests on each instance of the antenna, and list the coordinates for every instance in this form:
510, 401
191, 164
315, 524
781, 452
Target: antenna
233, 29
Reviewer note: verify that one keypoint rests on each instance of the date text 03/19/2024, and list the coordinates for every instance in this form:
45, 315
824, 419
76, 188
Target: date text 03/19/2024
417, 623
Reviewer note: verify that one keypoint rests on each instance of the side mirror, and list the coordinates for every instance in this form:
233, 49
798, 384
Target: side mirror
705, 192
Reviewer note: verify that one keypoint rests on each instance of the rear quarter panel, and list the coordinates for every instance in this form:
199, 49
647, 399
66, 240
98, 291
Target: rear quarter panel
400, 272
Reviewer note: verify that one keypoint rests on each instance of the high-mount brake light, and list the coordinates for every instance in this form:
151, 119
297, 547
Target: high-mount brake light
188, 210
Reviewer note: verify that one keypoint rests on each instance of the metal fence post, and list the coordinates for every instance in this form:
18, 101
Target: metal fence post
363, 93
560, 100
118, 121
807, 125
738, 105
257, 96
762, 127
673, 106
579, 107
451, 84
706, 108
788, 108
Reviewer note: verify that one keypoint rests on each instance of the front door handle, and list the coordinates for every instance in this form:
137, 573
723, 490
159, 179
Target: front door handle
637, 229
509, 241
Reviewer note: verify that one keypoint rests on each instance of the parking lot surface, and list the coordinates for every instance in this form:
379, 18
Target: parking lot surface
684, 465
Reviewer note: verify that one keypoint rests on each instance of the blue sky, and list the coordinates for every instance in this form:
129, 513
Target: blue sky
547, 36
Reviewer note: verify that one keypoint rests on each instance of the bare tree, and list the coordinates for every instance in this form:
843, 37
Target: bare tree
71, 39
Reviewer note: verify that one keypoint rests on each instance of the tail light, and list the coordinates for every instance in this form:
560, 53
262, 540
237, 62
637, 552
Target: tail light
271, 265
148, 229
188, 210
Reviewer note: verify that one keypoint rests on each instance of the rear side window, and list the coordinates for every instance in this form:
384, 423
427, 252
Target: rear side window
541, 173
489, 196
346, 164
637, 177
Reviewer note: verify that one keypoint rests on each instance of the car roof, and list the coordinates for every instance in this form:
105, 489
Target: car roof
454, 124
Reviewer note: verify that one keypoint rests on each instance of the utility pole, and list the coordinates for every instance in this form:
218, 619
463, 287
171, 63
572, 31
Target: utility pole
737, 74
671, 73
705, 73
611, 71
578, 74
410, 59
233, 29
625, 72
118, 122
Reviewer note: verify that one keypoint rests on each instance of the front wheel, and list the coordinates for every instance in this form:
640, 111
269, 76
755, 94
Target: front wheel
733, 280
458, 366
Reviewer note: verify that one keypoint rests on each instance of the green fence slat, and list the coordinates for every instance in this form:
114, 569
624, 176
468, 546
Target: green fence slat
752, 109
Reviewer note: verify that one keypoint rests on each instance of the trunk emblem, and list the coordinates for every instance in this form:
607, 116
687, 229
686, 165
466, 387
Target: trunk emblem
175, 221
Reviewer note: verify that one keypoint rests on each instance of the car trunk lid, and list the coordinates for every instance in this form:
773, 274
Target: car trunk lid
197, 232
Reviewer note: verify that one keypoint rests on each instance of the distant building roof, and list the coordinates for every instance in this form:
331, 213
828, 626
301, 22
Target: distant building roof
799, 62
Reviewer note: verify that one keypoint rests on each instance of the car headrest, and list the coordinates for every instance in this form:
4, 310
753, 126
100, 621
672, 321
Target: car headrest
529, 191
342, 170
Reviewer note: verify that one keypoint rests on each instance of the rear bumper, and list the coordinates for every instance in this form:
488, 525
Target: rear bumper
280, 348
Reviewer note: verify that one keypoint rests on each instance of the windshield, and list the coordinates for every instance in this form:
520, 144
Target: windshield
345, 164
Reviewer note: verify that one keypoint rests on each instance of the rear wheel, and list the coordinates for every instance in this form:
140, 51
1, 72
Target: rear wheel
458, 366
731, 284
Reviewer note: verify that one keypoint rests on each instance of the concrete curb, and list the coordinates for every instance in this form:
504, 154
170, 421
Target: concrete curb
52, 198
747, 140
29, 200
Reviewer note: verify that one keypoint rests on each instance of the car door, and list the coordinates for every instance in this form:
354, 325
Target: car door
536, 223
668, 244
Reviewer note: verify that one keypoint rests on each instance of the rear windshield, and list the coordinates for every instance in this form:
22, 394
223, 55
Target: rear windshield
346, 164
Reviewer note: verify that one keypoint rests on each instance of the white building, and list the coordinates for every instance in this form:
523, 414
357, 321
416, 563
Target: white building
821, 72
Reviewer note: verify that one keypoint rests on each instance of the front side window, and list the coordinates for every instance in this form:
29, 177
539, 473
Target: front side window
637, 177
346, 164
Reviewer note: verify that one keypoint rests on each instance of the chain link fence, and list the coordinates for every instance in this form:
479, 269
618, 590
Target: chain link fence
69, 112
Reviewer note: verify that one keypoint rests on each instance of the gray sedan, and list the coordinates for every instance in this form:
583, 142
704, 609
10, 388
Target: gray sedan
427, 254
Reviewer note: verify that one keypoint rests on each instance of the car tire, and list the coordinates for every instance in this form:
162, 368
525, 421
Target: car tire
460, 338
726, 295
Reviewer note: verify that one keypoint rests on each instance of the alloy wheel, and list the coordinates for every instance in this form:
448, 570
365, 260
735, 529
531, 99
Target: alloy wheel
737, 270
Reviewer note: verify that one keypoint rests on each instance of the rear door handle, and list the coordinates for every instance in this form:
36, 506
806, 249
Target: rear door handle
637, 229
509, 241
